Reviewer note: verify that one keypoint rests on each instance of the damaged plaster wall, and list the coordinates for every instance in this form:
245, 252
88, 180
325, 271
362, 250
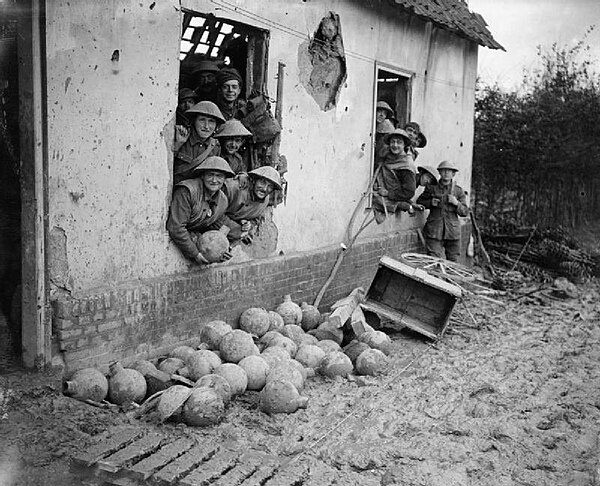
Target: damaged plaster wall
322, 62
112, 72
112, 91
329, 152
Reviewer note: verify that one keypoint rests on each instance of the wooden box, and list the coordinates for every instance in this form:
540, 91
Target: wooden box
411, 297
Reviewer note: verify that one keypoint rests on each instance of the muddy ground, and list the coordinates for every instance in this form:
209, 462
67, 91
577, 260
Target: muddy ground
510, 396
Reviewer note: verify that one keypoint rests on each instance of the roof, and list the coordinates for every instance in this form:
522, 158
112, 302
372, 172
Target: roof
453, 15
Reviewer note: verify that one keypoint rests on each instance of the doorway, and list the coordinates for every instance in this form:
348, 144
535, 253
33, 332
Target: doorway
10, 196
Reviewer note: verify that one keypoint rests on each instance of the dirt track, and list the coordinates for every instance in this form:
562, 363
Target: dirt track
511, 397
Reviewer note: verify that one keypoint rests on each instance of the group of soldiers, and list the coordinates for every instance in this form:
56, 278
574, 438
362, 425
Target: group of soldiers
212, 184
397, 177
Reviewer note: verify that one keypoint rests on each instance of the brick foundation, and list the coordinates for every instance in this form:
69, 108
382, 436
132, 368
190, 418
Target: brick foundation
146, 319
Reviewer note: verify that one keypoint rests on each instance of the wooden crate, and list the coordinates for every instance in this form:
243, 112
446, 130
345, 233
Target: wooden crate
411, 297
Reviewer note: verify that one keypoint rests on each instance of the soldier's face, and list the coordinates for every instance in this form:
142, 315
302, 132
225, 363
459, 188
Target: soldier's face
413, 134
186, 104
205, 126
396, 145
232, 145
446, 175
262, 188
213, 180
380, 115
206, 80
231, 90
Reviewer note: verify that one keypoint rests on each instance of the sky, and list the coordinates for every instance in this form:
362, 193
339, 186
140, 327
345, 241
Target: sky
521, 25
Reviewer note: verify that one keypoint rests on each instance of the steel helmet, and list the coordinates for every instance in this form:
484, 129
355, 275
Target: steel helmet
399, 133
187, 93
382, 105
233, 128
269, 173
427, 169
421, 138
386, 126
207, 108
214, 162
205, 66
444, 164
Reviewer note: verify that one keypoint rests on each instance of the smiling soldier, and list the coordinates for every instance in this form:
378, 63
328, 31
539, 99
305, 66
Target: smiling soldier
248, 201
198, 205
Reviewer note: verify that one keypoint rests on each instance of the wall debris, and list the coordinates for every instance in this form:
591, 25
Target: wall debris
325, 52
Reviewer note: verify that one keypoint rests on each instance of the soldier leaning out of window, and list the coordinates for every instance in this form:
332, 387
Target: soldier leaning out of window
446, 202
231, 136
194, 145
198, 205
395, 183
248, 199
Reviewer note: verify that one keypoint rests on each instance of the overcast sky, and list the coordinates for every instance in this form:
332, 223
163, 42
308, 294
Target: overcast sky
521, 25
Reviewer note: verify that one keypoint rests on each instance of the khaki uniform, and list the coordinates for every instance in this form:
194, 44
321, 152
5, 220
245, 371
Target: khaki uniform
191, 154
193, 211
242, 205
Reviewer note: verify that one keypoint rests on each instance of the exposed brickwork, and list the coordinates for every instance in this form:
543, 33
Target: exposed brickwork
148, 318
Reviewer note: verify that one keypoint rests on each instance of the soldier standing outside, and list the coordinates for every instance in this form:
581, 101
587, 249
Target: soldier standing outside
446, 202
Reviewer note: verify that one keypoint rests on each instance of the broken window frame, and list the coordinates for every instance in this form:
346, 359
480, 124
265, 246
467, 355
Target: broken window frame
258, 46
409, 76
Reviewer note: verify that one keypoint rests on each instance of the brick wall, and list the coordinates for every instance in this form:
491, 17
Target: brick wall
146, 319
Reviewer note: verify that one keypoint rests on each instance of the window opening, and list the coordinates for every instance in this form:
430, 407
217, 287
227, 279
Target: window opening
225, 62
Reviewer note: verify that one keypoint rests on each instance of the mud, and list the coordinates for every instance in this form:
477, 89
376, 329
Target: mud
510, 396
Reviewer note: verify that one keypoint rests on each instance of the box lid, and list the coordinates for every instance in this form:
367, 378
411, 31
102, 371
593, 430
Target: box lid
421, 275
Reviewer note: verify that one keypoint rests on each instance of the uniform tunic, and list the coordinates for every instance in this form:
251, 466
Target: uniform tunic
235, 110
242, 205
397, 176
192, 212
442, 222
191, 154
236, 162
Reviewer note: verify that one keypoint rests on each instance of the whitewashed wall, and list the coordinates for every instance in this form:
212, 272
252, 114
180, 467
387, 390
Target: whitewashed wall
110, 124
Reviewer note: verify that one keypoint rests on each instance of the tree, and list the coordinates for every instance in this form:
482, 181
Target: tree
537, 149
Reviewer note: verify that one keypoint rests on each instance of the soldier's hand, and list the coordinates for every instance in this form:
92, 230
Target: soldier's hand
201, 259
245, 225
243, 180
227, 255
246, 239
418, 207
452, 200
181, 134
382, 191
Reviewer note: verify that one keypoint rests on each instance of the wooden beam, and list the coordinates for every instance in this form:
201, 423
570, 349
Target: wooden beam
32, 124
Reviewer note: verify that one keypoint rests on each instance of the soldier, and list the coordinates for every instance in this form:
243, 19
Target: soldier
231, 137
396, 181
205, 81
187, 99
248, 201
229, 89
417, 138
194, 145
446, 202
198, 205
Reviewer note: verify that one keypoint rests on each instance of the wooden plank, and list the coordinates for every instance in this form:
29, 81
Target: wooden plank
399, 318
134, 451
183, 464
289, 476
420, 275
248, 464
211, 470
343, 308
108, 443
259, 477
146, 467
